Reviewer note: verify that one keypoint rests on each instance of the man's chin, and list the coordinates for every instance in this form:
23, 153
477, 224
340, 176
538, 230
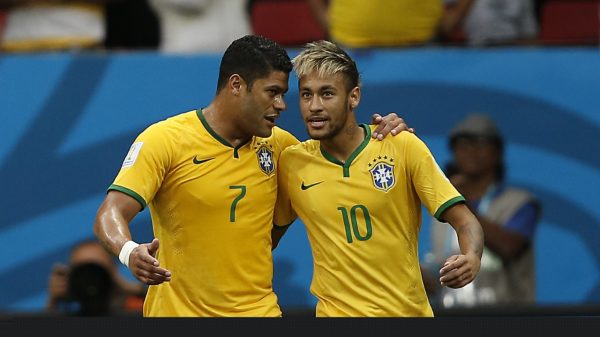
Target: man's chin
316, 134
264, 133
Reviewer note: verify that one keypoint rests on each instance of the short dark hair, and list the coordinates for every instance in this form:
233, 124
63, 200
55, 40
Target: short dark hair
252, 57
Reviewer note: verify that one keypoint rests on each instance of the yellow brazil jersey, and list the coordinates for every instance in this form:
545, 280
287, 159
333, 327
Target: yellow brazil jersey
212, 210
360, 23
363, 219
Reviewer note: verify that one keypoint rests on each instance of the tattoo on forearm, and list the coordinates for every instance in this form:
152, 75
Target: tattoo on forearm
471, 235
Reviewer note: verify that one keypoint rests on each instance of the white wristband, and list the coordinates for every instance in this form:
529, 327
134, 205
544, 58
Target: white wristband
126, 250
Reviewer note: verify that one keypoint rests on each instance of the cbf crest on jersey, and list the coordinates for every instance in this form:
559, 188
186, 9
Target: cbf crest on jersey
382, 172
265, 159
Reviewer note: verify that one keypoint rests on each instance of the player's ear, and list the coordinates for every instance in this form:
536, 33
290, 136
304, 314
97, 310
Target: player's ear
235, 84
354, 97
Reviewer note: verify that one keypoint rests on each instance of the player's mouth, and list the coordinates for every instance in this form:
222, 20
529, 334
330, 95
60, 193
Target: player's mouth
271, 119
316, 122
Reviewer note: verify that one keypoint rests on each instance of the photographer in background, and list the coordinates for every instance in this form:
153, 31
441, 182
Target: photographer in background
92, 286
508, 215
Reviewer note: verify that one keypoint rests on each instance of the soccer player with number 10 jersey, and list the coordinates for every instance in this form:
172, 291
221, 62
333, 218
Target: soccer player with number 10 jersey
361, 200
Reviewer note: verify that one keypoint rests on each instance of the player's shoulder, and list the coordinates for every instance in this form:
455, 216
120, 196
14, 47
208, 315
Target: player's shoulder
300, 152
307, 147
173, 123
282, 138
279, 133
167, 131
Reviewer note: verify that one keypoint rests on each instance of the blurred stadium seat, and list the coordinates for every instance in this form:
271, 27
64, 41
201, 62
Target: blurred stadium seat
570, 22
290, 22
2, 20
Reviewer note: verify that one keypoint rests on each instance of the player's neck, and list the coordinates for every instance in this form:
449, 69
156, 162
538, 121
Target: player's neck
220, 121
344, 143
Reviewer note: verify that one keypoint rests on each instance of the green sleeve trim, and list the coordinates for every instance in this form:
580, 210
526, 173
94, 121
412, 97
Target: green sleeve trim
447, 205
130, 193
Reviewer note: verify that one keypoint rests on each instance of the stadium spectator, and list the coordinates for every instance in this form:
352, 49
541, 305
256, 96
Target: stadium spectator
361, 200
192, 26
383, 23
41, 25
497, 22
508, 216
91, 285
208, 177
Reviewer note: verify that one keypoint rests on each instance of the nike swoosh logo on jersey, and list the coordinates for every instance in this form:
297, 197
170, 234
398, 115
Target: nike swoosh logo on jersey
196, 161
305, 187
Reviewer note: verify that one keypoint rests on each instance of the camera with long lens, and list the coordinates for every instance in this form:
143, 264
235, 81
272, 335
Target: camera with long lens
91, 287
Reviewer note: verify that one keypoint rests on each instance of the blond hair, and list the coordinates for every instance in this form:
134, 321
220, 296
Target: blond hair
326, 59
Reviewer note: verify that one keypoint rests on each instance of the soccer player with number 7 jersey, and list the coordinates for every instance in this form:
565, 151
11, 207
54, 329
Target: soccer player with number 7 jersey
361, 200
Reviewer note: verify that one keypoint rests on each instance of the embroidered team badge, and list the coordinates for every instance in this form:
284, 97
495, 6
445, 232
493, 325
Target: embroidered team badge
382, 174
265, 159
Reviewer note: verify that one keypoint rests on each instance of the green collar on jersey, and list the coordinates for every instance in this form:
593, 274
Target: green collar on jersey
216, 136
346, 166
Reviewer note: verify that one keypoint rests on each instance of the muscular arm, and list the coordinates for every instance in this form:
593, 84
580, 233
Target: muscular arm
460, 270
112, 230
113, 218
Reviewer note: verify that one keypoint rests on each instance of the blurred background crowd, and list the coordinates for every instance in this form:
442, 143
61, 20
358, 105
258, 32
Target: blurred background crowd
192, 26
486, 143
